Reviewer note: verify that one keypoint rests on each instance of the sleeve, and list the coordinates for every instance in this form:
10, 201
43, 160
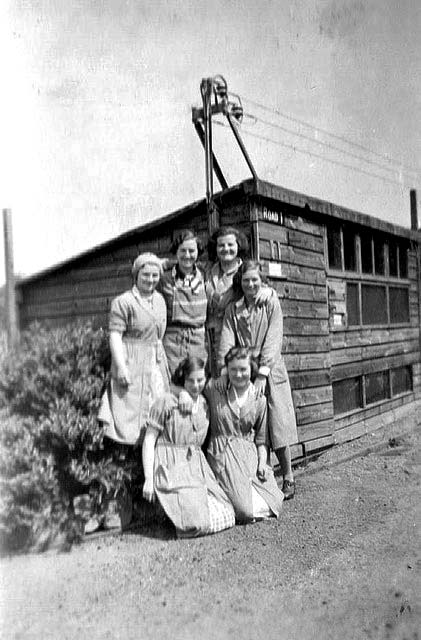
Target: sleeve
228, 336
272, 343
119, 315
158, 414
260, 426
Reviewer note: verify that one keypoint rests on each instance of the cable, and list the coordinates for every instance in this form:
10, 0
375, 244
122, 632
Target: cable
321, 142
333, 135
316, 155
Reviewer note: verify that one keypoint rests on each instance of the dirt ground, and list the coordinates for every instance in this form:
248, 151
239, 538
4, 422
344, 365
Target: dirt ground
343, 561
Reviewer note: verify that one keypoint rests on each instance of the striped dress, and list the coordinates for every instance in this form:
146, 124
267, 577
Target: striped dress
186, 301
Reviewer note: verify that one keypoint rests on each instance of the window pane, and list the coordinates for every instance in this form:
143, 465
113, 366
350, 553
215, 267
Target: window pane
347, 395
401, 380
376, 387
379, 256
393, 258
403, 261
366, 255
352, 304
399, 304
334, 248
349, 250
373, 299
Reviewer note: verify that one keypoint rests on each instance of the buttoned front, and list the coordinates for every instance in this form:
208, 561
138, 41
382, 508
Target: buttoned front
183, 480
124, 410
236, 432
260, 328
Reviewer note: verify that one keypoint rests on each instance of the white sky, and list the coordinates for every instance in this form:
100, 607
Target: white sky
96, 124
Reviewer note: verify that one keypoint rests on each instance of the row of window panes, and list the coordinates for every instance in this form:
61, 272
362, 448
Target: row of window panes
358, 392
368, 304
380, 256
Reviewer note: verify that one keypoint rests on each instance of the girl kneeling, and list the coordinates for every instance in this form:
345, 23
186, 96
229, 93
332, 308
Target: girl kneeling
238, 447
176, 470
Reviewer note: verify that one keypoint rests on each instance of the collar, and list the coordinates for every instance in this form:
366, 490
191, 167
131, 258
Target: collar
193, 280
217, 271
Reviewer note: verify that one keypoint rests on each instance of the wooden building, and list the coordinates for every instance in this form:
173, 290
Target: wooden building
349, 286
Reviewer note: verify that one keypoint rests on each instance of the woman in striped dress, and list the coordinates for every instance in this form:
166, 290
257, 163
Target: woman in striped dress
183, 289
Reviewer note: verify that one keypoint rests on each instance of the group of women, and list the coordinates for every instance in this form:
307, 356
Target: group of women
196, 358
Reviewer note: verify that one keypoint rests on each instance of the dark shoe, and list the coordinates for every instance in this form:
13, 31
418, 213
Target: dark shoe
288, 489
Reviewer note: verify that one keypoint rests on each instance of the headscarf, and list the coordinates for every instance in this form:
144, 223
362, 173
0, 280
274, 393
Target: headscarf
142, 260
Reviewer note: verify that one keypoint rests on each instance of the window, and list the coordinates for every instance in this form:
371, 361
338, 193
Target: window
401, 380
376, 387
374, 304
334, 247
347, 395
350, 254
358, 249
393, 259
403, 261
379, 263
366, 253
399, 304
380, 385
352, 304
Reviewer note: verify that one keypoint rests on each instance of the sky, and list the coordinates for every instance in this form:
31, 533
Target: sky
96, 124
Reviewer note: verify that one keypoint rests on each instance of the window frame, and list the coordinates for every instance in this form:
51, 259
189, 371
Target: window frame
363, 386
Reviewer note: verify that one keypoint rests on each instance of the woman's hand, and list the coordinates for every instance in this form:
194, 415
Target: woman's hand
148, 490
263, 295
185, 402
123, 376
260, 385
221, 383
262, 471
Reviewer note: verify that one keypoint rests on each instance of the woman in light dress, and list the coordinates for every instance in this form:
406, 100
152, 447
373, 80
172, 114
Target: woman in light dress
238, 447
139, 369
260, 328
175, 468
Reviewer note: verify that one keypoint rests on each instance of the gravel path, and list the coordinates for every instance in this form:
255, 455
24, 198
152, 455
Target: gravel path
343, 561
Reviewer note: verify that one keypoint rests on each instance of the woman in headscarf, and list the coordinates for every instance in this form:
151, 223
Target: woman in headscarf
139, 369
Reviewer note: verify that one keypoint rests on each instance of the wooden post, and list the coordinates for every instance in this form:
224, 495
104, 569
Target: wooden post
12, 330
414, 212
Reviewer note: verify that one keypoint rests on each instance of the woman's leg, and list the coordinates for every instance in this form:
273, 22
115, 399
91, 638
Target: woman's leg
284, 457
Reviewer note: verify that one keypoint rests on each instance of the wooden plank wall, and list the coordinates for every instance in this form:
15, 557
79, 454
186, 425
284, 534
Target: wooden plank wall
360, 350
297, 246
84, 288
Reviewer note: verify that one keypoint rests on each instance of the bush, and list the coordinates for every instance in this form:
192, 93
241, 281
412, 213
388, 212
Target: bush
51, 442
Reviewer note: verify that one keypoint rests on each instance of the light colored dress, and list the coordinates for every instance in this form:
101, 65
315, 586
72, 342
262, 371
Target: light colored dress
125, 410
183, 481
219, 292
186, 301
260, 327
232, 453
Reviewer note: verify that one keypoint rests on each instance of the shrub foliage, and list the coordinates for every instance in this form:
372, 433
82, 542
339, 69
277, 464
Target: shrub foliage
51, 444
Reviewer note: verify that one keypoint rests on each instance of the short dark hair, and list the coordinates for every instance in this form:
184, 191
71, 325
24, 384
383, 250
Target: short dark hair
181, 236
242, 242
239, 353
247, 265
185, 368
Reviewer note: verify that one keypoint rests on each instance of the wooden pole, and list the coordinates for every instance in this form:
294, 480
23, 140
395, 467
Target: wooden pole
414, 212
11, 322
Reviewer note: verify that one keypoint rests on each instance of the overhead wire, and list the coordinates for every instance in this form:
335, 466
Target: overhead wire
399, 166
316, 155
323, 143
